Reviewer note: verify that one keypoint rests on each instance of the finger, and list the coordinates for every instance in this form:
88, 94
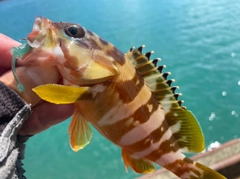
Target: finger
41, 120
31, 77
4, 70
6, 43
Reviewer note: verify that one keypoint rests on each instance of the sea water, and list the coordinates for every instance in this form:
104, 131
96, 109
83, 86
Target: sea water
198, 41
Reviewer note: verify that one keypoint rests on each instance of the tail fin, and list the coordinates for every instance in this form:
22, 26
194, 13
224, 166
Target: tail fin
188, 169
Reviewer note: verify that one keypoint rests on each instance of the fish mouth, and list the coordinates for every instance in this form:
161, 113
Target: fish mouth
42, 40
39, 32
41, 23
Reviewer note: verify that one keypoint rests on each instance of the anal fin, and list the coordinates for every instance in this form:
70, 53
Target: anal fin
137, 164
79, 131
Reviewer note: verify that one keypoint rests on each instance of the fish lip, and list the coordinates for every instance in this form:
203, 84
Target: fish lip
40, 28
41, 23
42, 40
37, 24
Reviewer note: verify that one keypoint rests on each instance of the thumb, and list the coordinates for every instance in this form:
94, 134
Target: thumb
31, 77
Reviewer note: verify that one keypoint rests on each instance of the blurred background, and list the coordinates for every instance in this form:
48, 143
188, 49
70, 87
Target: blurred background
198, 41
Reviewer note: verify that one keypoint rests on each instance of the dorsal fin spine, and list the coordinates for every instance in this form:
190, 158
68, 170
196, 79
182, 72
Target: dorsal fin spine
148, 54
140, 48
131, 49
154, 76
169, 82
180, 102
168, 102
162, 89
146, 72
160, 68
155, 61
184, 107
165, 75
177, 95
143, 64
174, 88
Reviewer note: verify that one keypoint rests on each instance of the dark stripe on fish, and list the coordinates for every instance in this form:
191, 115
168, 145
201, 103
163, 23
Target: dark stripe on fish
131, 87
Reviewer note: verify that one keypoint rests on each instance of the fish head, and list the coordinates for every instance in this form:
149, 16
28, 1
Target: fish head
81, 57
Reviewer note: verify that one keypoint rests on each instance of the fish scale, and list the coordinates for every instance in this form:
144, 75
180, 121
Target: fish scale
126, 98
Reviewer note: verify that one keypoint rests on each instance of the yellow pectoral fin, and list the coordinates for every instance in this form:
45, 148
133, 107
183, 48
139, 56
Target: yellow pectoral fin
137, 164
60, 94
79, 131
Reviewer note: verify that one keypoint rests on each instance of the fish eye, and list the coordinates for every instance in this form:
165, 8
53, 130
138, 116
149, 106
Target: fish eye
74, 31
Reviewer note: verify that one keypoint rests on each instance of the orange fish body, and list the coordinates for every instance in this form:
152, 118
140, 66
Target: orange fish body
126, 98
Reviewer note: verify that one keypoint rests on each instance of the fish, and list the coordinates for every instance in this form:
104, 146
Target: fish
126, 97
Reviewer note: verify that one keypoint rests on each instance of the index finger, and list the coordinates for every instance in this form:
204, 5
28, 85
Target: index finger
6, 43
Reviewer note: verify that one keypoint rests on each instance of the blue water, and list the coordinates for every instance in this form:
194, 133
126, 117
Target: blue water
198, 40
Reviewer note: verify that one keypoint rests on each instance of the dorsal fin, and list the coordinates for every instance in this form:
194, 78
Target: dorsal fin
152, 74
182, 122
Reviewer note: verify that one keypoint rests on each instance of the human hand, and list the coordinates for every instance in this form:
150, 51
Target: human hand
44, 114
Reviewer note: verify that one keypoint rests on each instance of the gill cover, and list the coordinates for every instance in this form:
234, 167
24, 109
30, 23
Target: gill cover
99, 68
84, 57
